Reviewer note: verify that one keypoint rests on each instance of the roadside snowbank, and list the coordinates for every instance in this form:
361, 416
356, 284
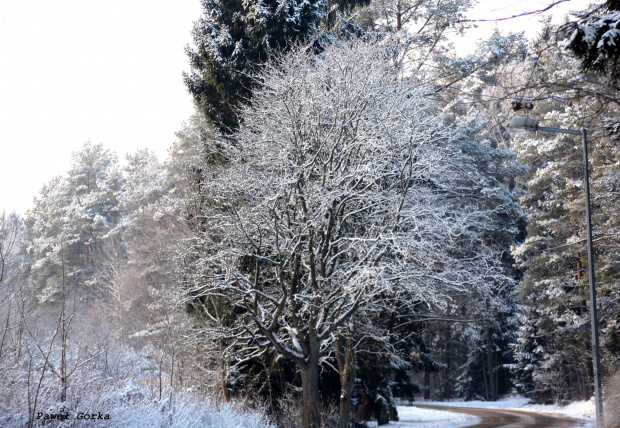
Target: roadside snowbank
584, 410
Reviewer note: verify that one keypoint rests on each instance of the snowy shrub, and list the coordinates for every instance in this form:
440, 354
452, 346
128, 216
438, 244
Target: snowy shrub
289, 413
132, 406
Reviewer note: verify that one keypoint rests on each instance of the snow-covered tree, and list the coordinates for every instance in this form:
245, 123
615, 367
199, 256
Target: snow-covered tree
470, 339
427, 21
10, 225
426, 28
10, 230
344, 187
146, 185
151, 224
81, 209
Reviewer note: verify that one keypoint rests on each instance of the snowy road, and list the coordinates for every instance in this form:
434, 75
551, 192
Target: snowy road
495, 418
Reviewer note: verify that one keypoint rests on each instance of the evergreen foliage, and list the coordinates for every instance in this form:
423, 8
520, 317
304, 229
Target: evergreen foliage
72, 219
595, 39
553, 345
234, 39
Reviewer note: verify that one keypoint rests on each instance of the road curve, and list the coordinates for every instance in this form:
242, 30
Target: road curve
496, 418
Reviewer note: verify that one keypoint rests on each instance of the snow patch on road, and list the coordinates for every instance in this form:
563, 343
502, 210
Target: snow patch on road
414, 417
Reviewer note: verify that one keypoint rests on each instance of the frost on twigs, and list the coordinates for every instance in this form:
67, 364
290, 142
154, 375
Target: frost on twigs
342, 188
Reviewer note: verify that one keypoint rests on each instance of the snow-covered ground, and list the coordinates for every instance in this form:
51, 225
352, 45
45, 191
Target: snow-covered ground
413, 417
584, 410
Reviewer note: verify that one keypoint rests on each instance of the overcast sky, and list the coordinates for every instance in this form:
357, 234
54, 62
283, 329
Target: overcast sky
110, 71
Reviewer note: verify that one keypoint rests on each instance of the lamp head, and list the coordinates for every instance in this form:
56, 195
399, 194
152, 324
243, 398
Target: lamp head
522, 125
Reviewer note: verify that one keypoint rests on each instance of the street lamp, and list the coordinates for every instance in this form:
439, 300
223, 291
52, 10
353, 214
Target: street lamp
522, 125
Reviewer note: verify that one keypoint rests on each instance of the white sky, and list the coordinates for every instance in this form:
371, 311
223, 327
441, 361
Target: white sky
110, 71
77, 70
530, 24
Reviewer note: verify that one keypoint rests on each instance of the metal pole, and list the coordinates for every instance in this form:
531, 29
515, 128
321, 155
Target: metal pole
596, 360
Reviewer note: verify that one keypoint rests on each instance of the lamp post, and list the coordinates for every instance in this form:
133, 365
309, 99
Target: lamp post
522, 125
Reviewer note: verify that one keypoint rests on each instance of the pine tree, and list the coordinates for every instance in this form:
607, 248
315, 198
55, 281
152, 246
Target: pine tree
553, 256
82, 210
554, 283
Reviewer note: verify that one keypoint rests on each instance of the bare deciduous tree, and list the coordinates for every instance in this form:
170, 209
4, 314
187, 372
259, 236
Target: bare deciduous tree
340, 190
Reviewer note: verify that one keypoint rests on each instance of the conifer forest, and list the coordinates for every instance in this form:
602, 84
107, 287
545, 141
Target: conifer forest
344, 224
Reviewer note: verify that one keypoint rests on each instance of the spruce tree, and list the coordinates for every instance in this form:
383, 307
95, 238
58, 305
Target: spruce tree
595, 40
232, 40
235, 38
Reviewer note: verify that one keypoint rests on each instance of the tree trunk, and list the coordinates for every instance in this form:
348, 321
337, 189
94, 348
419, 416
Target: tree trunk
311, 416
63, 331
491, 391
345, 354
484, 377
427, 383
223, 371
382, 411
6, 328
427, 370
